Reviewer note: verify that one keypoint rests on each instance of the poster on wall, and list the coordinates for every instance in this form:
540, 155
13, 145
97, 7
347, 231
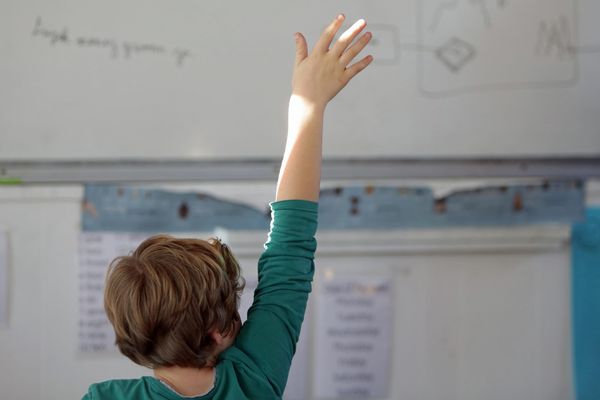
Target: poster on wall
354, 323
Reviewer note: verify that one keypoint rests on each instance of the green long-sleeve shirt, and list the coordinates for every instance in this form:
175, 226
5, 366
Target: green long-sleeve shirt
256, 367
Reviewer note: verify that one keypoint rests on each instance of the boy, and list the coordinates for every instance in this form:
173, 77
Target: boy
173, 302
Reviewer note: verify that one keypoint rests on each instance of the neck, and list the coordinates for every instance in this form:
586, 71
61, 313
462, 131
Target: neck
187, 381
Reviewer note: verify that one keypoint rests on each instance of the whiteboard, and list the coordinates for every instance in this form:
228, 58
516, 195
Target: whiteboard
210, 80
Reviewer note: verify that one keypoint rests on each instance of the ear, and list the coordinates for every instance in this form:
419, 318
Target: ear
217, 337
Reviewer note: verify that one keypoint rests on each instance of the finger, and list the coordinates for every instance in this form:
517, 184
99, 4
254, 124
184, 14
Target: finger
301, 48
329, 33
355, 68
347, 37
356, 48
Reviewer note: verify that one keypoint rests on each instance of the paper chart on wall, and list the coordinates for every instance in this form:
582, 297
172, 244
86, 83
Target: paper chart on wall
354, 336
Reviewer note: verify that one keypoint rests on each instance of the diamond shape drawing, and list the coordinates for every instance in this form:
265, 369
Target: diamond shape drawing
455, 54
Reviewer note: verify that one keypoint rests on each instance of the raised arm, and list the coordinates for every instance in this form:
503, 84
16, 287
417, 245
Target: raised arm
317, 78
285, 269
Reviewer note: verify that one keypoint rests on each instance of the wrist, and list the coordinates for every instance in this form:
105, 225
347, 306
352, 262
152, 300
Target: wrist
302, 106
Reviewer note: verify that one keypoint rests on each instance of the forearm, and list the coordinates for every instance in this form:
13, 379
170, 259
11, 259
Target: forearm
300, 174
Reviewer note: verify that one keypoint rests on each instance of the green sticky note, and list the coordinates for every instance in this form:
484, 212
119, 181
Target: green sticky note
10, 181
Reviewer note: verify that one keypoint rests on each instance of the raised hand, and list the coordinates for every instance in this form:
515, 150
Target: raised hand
317, 78
320, 75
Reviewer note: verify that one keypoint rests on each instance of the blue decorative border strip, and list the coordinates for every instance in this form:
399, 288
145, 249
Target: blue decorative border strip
131, 209
385, 207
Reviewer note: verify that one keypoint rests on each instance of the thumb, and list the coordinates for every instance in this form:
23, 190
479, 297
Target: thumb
301, 48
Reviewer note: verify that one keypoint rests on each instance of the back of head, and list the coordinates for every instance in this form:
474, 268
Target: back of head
165, 298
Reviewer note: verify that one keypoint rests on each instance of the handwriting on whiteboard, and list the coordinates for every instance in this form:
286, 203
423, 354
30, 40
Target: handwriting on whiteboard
114, 48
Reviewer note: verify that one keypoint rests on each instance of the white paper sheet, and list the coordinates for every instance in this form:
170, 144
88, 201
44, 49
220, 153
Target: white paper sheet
353, 341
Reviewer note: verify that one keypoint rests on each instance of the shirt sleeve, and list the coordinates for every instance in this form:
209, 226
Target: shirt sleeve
285, 273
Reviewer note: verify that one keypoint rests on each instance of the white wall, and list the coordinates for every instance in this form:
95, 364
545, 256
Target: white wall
487, 323
39, 359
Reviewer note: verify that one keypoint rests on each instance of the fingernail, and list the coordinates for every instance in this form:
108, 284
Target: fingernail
340, 17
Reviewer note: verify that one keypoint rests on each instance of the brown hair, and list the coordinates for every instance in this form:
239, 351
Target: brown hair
165, 298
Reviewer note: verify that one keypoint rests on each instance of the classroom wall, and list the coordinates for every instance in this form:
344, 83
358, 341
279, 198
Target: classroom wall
490, 323
488, 318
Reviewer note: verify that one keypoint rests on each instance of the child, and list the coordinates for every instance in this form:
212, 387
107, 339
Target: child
173, 302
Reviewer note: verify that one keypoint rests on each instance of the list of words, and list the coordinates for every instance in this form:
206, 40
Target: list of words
113, 47
354, 331
96, 252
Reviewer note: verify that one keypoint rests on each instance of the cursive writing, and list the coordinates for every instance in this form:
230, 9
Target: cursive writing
117, 49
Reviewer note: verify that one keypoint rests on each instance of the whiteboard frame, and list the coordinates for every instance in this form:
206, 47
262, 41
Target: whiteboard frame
102, 171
